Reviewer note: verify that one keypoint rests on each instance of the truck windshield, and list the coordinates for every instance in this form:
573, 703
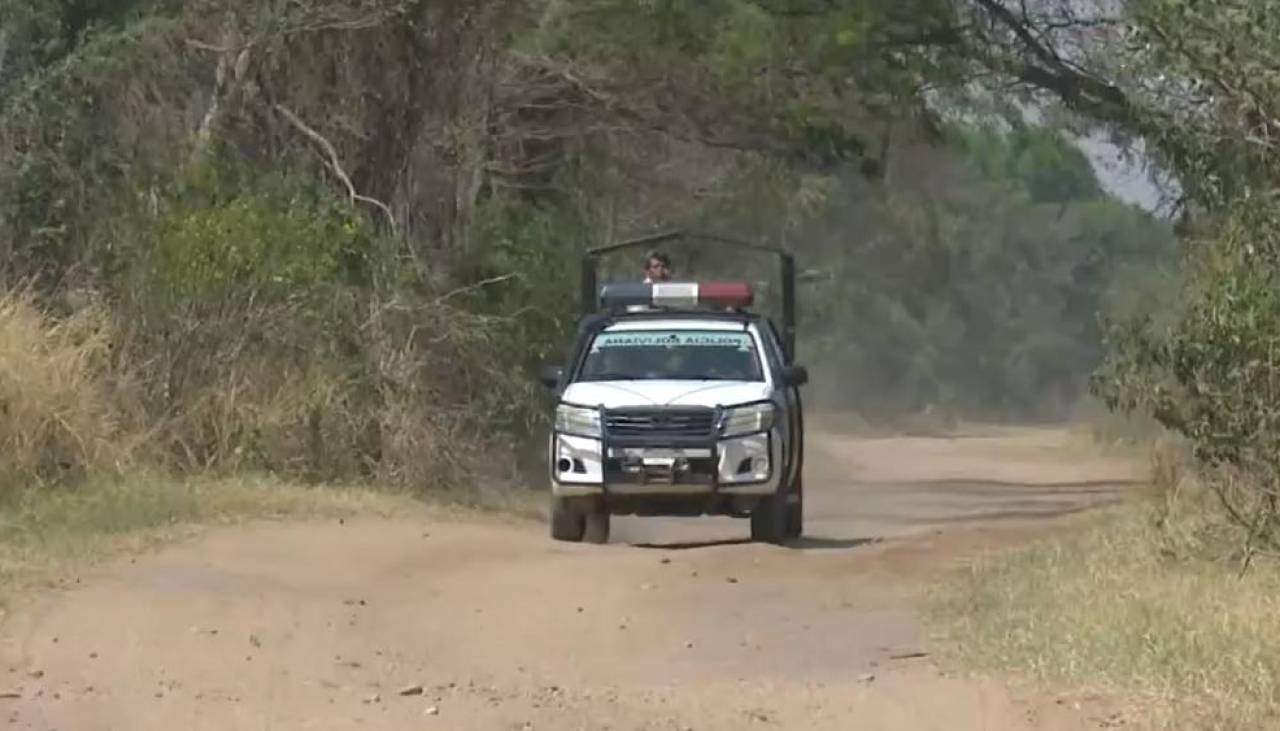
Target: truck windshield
679, 355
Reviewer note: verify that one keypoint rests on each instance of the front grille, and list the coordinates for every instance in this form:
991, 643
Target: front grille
660, 422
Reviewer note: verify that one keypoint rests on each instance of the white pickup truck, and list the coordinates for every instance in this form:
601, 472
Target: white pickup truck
677, 401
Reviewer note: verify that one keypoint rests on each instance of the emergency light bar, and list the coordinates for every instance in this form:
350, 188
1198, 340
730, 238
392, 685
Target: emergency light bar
676, 294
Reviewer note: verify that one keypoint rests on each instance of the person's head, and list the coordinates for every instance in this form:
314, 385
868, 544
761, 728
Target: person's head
657, 266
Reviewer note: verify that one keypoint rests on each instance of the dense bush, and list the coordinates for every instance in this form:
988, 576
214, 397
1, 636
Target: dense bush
1203, 362
268, 327
1212, 373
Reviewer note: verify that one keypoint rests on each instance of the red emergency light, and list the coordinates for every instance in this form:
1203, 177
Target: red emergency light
730, 295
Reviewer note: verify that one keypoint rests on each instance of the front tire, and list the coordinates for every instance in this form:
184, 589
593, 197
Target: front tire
596, 529
567, 524
769, 521
795, 512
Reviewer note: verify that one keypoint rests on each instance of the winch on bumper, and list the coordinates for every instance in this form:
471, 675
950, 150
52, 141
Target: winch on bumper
665, 452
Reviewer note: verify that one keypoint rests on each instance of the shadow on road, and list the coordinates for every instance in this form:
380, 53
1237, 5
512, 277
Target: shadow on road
815, 543
996, 514
1084, 486
692, 545
802, 544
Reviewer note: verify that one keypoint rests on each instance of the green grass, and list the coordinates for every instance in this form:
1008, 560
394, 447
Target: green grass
47, 533
1117, 606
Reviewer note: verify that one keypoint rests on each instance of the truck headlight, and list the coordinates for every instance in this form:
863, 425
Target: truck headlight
577, 421
751, 419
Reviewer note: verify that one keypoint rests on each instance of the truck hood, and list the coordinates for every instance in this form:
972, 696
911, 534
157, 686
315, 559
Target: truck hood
619, 394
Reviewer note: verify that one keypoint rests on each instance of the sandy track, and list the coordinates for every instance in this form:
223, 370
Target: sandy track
487, 624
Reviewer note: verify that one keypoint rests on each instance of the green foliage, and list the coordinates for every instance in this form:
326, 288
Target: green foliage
273, 326
1041, 161
1202, 362
1209, 93
267, 239
274, 330
27, 37
71, 134
815, 82
629, 30
227, 277
1213, 373
529, 253
744, 46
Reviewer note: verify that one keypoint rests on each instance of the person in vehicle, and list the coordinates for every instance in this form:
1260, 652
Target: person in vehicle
657, 267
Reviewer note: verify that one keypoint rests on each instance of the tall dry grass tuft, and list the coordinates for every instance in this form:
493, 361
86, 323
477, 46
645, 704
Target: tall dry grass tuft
64, 410
435, 388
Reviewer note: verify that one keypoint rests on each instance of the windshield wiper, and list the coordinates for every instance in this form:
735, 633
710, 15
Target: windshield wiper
613, 376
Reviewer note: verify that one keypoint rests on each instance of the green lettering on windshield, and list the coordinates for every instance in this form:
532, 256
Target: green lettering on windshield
650, 339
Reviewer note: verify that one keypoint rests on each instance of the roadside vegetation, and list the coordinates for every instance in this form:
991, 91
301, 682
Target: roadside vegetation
330, 242
87, 476
1172, 596
1143, 604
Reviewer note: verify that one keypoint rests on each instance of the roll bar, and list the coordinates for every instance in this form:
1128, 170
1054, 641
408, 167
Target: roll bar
591, 258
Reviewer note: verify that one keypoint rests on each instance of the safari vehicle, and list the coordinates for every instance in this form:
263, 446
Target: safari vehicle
678, 400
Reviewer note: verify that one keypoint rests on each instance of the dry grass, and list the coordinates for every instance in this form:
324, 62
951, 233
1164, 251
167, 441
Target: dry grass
95, 392
398, 403
61, 408
1142, 601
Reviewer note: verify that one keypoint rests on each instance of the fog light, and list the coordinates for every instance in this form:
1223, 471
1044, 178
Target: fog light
564, 465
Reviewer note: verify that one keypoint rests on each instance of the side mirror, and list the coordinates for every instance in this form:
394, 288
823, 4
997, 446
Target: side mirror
795, 376
550, 375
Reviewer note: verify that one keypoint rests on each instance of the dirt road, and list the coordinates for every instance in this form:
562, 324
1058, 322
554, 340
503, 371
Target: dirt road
487, 624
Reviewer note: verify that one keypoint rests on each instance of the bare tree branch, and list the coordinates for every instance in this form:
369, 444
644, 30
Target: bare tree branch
475, 286
1047, 70
681, 123
336, 166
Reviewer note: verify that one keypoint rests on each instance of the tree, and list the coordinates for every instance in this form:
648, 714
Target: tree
1206, 367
